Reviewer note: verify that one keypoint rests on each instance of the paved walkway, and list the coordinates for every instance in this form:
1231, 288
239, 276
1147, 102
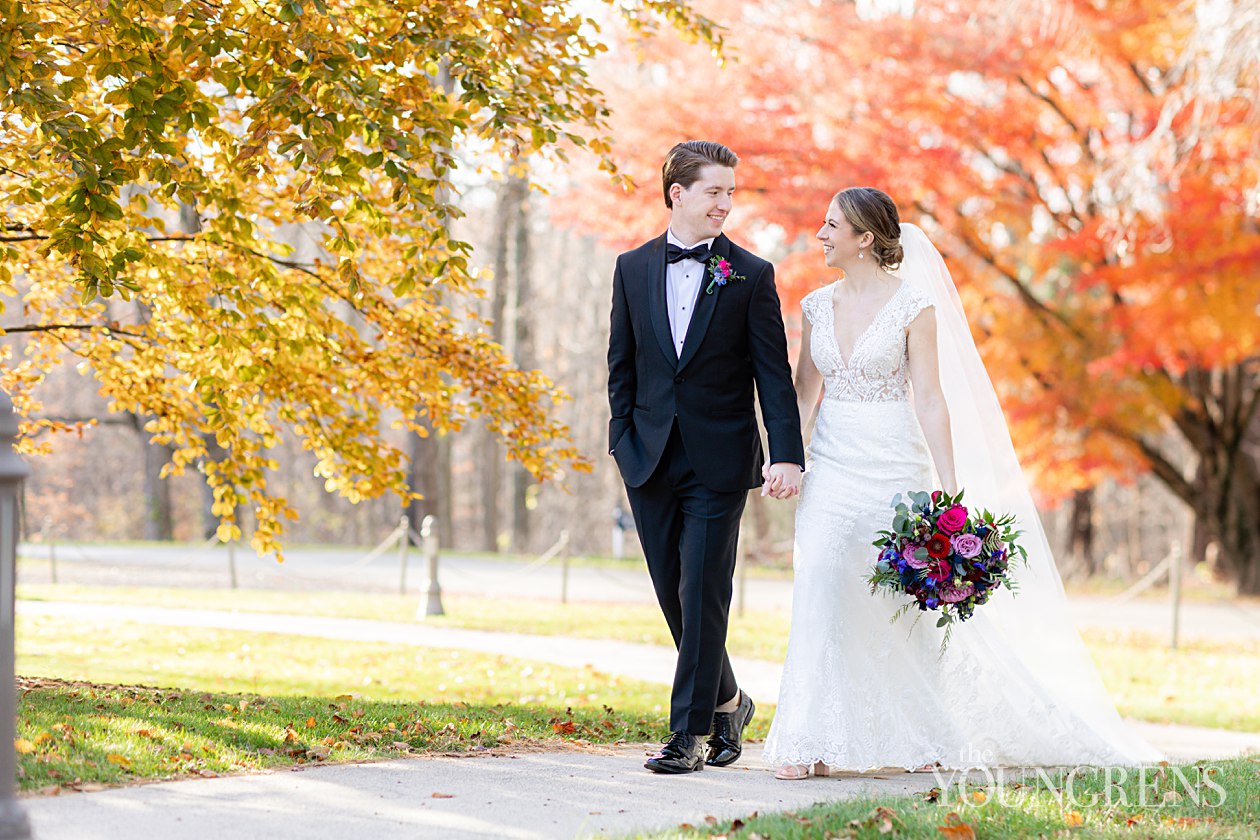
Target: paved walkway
350, 569
534, 796
650, 663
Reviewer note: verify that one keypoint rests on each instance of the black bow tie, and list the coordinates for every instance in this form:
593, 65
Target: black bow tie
674, 253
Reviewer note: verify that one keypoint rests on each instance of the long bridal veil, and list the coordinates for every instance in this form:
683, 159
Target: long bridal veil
1034, 623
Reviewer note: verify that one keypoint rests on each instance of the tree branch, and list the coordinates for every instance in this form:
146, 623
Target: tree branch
33, 328
1163, 469
1081, 136
183, 238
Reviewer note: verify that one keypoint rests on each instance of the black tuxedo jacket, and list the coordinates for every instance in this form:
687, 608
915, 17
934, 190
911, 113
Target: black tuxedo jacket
735, 340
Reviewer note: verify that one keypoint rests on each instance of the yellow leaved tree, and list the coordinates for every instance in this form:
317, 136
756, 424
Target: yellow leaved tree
152, 154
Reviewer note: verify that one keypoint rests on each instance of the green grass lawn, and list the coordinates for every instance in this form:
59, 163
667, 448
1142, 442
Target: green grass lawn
1201, 684
245, 701
1206, 800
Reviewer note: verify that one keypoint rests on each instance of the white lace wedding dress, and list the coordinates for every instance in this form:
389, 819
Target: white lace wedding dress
857, 692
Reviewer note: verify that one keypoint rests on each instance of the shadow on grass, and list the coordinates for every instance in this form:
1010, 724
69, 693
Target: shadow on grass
80, 736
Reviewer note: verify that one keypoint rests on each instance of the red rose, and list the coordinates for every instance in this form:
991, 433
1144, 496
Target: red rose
952, 520
938, 546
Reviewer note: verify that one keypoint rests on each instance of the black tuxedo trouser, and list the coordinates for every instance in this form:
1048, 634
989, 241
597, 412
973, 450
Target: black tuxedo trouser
688, 533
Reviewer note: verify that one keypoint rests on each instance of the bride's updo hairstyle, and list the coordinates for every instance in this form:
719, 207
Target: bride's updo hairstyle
869, 209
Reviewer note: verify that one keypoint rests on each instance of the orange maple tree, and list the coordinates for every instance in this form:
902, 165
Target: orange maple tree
1089, 170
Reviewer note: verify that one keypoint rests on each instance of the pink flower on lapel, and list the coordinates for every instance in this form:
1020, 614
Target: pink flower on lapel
720, 273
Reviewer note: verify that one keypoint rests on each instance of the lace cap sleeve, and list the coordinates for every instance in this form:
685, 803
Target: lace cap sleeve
913, 301
812, 303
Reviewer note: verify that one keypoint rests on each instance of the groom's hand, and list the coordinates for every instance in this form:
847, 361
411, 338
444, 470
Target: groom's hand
781, 481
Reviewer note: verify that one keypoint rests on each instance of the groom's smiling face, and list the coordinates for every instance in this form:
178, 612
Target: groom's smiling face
701, 209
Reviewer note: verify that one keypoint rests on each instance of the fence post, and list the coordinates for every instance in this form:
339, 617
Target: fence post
429, 539
404, 541
564, 566
13, 821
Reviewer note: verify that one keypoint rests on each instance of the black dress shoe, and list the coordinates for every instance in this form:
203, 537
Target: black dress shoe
681, 754
727, 741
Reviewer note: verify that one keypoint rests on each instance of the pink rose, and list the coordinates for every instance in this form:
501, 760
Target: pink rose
967, 545
954, 594
952, 520
907, 554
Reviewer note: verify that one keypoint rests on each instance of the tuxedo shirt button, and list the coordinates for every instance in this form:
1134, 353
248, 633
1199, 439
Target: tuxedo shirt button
678, 380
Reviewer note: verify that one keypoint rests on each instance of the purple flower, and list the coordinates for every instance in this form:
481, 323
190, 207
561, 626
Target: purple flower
967, 545
907, 554
954, 594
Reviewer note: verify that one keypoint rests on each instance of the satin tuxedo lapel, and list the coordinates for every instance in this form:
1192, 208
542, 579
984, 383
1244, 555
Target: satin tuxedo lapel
653, 270
705, 304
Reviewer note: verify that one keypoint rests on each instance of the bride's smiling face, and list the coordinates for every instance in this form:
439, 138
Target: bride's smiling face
840, 243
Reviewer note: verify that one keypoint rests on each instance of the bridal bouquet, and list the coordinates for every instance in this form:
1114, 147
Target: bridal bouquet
944, 556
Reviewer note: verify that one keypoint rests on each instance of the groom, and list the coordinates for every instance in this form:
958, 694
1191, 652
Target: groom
695, 325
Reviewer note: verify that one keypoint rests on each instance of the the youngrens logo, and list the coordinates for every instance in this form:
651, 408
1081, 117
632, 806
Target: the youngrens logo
1147, 786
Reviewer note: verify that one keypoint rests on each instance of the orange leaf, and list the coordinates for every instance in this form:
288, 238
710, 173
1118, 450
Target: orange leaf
23, 746
1074, 818
121, 760
961, 831
310, 723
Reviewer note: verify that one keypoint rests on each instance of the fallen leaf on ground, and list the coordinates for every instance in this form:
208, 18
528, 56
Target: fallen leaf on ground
955, 828
23, 746
1073, 818
441, 796
121, 760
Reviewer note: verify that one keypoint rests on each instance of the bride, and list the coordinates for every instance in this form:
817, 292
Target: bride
907, 405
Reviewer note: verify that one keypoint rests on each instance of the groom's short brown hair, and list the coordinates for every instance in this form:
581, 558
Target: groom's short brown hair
684, 162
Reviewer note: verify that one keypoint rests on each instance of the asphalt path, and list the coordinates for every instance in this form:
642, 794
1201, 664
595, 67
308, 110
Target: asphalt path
357, 569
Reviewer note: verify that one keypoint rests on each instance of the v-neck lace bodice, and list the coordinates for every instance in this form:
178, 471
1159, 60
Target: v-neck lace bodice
878, 367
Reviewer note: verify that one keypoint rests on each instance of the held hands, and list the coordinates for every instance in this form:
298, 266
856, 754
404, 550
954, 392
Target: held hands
781, 481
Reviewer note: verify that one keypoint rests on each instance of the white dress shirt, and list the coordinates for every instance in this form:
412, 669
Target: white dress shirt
682, 290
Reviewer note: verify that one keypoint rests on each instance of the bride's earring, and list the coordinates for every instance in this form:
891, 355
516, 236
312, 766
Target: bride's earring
861, 256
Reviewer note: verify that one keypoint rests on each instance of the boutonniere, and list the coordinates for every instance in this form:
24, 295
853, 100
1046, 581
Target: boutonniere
720, 273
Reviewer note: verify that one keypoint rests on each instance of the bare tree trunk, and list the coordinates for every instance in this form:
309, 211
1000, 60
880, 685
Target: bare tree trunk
1229, 509
759, 551
209, 520
431, 455
158, 522
523, 484
431, 477
1081, 534
490, 467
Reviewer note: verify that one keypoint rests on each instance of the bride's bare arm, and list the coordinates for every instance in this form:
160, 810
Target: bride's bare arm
808, 380
929, 399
